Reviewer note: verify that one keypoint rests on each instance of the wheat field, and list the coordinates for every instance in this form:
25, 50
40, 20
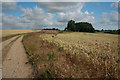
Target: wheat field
12, 32
85, 42
100, 48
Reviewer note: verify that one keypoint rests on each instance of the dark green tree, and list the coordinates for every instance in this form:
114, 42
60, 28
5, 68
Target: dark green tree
79, 27
71, 25
118, 31
102, 30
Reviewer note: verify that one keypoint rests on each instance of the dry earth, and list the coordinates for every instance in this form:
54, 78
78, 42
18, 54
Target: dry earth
2, 45
5, 43
14, 65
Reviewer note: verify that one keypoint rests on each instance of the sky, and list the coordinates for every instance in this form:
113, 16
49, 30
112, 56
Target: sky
39, 15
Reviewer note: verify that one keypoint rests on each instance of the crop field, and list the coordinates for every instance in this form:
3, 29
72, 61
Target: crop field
13, 32
87, 43
101, 49
73, 54
7, 34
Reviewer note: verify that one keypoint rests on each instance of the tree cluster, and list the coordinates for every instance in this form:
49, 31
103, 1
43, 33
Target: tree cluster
50, 29
111, 31
79, 27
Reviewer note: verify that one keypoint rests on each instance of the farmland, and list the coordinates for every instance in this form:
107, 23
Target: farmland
89, 42
13, 32
73, 54
60, 40
7, 34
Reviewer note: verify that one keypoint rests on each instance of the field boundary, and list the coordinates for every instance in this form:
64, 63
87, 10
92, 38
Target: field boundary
28, 56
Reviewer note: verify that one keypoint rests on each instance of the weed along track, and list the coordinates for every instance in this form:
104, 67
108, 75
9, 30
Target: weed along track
52, 59
14, 65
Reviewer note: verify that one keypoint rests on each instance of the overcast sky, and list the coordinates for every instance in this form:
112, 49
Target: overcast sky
32, 15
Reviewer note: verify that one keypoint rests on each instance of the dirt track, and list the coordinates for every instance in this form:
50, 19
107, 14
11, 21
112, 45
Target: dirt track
2, 46
5, 43
14, 64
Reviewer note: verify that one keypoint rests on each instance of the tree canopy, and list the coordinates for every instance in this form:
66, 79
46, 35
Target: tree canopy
79, 27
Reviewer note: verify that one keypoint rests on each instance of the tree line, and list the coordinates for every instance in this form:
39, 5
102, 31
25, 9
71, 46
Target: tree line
51, 29
109, 31
79, 27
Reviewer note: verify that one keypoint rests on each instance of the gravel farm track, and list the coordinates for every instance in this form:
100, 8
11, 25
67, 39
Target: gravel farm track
14, 64
2, 46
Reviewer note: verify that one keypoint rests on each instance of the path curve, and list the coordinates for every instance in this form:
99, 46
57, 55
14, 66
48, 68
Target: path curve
6, 42
14, 64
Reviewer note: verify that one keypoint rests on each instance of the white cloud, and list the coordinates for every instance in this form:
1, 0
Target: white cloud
38, 18
115, 5
11, 22
114, 16
57, 6
76, 15
9, 6
73, 13
60, 0
63, 0
0, 20
76, 0
0, 6
8, 0
108, 20
35, 18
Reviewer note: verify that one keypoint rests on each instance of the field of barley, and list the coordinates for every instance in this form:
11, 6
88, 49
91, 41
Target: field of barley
101, 49
87, 43
13, 32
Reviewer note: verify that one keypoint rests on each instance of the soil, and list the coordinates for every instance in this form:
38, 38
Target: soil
14, 65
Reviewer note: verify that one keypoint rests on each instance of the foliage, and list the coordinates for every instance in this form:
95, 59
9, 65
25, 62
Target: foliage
50, 29
97, 30
112, 31
79, 27
71, 25
51, 55
84, 27
118, 31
